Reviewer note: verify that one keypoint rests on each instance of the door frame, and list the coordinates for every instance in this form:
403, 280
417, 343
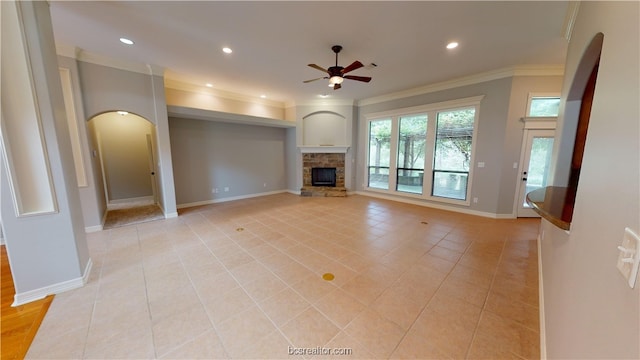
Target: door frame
530, 123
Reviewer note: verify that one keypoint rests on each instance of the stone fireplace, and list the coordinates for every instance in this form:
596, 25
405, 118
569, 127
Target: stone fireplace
323, 161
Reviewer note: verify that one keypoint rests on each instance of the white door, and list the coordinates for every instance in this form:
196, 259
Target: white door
534, 168
152, 169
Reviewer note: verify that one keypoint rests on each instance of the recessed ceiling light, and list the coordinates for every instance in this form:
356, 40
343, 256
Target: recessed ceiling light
126, 41
324, 96
263, 96
227, 50
452, 45
122, 113
209, 85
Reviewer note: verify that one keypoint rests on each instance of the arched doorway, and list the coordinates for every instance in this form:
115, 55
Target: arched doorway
577, 112
124, 147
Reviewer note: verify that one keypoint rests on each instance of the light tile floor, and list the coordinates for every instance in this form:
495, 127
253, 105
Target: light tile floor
243, 279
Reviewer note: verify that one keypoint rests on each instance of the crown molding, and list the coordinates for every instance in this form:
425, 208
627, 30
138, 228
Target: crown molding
93, 58
330, 102
155, 70
66, 50
538, 70
113, 63
570, 19
199, 89
528, 70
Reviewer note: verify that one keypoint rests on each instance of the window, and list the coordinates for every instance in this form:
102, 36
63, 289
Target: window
543, 106
424, 151
454, 135
411, 142
379, 153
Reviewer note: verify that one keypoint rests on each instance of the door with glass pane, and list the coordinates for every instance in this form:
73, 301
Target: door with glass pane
535, 166
379, 153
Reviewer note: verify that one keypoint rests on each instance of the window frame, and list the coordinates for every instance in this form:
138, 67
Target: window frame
532, 96
397, 153
431, 111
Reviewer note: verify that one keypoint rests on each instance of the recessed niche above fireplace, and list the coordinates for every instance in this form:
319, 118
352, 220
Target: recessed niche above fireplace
324, 128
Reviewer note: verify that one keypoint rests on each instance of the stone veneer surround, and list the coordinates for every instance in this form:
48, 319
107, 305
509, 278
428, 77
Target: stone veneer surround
311, 160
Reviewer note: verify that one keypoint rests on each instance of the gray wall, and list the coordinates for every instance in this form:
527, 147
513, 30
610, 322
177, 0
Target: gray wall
125, 154
48, 249
291, 151
211, 154
109, 89
590, 311
93, 193
514, 130
498, 140
106, 89
490, 137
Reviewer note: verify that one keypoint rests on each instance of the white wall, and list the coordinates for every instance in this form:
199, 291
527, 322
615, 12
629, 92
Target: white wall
590, 311
325, 123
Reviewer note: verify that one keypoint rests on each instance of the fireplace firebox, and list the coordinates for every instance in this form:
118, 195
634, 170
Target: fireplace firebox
323, 176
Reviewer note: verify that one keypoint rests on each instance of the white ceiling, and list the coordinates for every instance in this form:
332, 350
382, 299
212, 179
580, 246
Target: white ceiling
273, 42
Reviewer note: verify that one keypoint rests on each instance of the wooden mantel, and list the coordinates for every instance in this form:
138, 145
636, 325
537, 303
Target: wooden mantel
323, 149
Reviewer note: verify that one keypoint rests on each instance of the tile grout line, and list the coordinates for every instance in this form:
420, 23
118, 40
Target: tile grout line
484, 304
256, 303
146, 293
95, 300
211, 321
432, 296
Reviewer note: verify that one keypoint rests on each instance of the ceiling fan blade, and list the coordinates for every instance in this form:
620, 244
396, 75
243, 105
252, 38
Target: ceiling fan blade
355, 65
337, 86
318, 67
308, 81
358, 78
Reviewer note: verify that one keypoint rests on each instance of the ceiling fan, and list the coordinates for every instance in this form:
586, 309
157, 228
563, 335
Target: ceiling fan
336, 74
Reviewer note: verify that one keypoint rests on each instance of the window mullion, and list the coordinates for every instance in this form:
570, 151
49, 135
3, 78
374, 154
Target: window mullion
429, 153
393, 162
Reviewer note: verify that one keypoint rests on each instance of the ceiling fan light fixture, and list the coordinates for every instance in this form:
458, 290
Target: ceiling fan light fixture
336, 80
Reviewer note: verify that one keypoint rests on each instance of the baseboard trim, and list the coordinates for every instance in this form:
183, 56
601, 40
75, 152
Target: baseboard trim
294, 192
543, 334
232, 198
37, 294
91, 229
437, 206
171, 215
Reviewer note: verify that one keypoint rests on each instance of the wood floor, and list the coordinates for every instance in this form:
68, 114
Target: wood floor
19, 324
